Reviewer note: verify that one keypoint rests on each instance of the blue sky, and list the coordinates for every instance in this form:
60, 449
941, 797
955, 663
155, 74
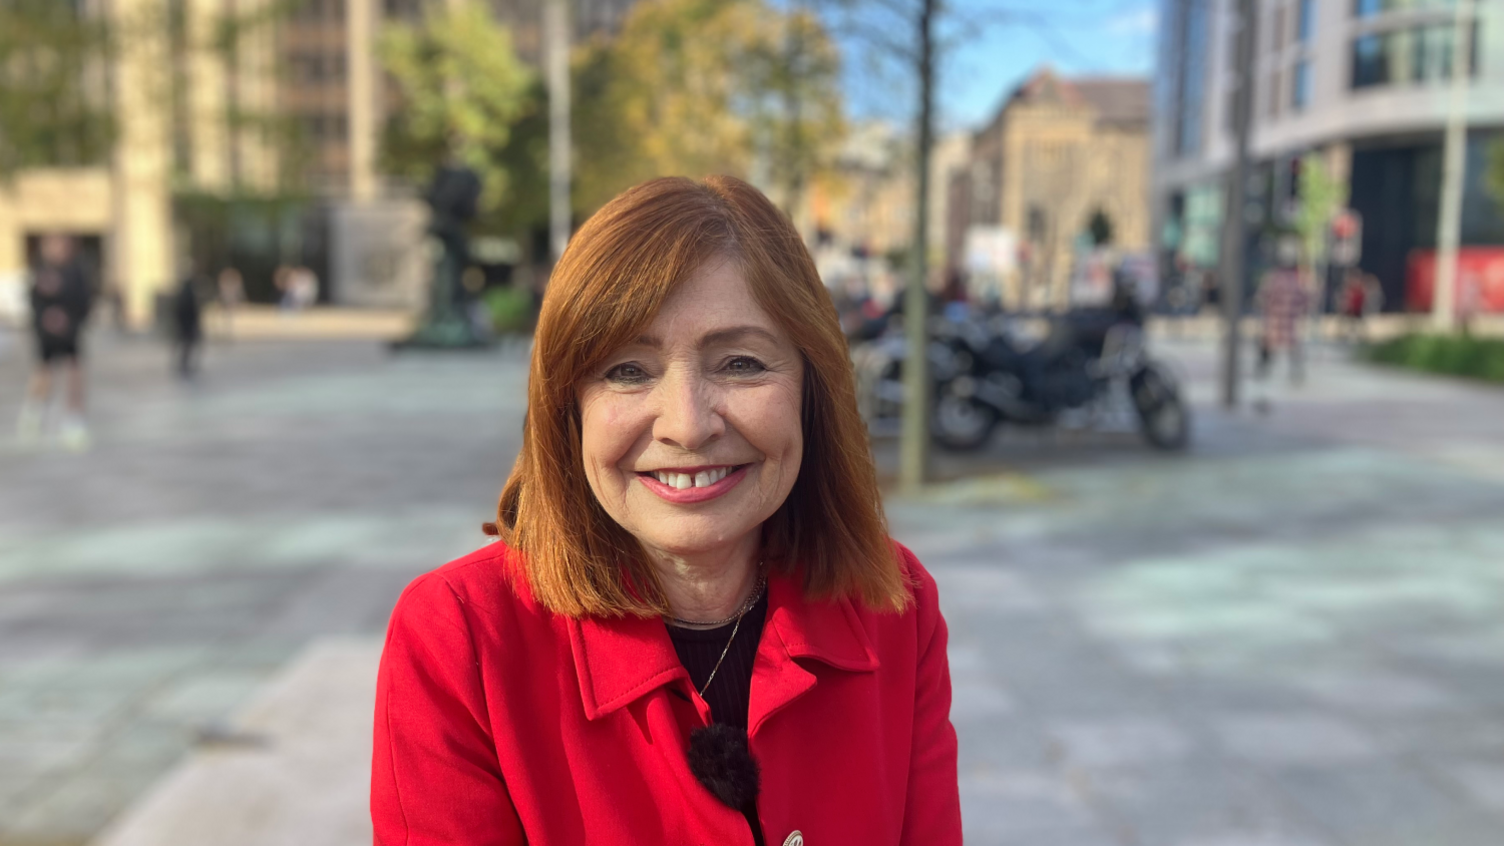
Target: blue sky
991, 53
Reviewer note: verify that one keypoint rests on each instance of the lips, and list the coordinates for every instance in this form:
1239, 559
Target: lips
693, 484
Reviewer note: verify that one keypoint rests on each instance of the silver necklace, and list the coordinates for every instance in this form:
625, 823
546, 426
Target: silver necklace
762, 583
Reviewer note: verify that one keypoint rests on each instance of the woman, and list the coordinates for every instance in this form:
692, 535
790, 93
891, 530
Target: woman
694, 629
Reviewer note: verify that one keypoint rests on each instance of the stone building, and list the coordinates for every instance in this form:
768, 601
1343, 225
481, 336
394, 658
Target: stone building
1058, 153
196, 121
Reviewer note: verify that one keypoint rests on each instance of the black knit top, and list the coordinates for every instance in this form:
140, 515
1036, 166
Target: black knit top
731, 688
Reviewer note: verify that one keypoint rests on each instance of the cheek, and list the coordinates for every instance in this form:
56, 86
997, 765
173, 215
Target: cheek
771, 422
605, 434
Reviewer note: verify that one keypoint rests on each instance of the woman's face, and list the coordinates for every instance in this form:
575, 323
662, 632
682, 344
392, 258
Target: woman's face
692, 433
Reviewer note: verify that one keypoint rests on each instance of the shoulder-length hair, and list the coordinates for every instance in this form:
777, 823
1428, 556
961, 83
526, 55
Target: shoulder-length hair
607, 287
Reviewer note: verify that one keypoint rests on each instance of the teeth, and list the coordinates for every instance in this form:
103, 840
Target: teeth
682, 481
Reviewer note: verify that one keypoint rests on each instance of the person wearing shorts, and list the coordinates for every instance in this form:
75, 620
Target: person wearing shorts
61, 298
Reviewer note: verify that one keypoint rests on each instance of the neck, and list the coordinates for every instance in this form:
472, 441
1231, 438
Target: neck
710, 585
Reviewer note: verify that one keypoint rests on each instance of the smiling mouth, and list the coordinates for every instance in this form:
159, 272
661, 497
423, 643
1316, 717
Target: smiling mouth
692, 477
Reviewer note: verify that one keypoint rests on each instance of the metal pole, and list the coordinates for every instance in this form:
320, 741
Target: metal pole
1453, 168
1234, 224
556, 54
914, 439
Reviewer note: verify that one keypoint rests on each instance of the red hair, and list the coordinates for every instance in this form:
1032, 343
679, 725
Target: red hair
608, 286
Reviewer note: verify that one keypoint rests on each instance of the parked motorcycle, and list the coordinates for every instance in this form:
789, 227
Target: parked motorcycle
1091, 367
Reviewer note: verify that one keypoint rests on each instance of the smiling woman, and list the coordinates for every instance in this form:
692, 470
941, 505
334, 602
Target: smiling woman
695, 628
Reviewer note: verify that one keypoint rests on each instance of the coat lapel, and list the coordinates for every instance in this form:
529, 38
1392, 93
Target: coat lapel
826, 631
620, 659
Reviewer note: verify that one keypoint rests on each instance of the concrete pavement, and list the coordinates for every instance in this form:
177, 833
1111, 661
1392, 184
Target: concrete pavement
1291, 636
150, 586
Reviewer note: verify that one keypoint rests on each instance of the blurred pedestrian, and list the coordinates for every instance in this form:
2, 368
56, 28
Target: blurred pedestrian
302, 287
695, 505
1283, 299
281, 280
187, 324
230, 287
1211, 293
1359, 297
298, 286
61, 297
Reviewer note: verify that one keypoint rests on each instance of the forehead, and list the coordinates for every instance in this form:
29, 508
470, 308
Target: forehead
714, 296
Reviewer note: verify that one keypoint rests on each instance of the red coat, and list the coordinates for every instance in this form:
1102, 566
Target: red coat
499, 722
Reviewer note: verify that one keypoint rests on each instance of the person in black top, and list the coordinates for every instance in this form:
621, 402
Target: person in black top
61, 298
187, 324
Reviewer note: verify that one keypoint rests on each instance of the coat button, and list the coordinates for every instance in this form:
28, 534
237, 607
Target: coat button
794, 839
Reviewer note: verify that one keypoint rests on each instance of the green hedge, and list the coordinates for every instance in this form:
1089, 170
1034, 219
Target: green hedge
511, 308
1453, 355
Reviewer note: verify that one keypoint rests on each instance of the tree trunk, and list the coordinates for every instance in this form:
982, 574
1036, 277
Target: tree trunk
914, 443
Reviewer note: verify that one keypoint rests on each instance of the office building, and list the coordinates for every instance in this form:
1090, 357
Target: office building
1361, 84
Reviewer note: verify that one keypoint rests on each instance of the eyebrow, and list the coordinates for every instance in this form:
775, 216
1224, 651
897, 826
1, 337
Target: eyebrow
719, 336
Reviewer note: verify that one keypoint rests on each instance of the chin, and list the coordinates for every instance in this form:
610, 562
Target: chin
693, 536
688, 535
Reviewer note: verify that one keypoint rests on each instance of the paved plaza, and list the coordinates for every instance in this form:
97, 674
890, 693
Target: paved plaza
1291, 636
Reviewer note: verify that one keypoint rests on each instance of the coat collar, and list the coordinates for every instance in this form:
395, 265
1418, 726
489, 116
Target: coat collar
618, 660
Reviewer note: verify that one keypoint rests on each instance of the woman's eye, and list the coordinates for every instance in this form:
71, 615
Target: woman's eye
630, 374
744, 364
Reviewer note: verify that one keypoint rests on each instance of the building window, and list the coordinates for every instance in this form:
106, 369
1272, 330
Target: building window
1417, 54
1190, 72
1370, 61
1300, 86
1372, 8
1276, 93
1277, 41
1304, 21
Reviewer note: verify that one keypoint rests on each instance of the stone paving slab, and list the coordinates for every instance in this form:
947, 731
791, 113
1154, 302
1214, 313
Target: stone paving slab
300, 776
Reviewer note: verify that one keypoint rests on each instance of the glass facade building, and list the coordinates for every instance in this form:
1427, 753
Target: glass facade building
1361, 84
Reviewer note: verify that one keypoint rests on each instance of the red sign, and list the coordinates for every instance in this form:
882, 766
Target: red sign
1480, 280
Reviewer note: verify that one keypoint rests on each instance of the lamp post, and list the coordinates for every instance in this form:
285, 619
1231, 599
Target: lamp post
1234, 223
1453, 168
556, 32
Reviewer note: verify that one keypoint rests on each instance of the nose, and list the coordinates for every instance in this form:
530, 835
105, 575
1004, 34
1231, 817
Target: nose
687, 415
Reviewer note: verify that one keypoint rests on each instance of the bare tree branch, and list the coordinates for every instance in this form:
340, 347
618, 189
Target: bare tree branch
878, 38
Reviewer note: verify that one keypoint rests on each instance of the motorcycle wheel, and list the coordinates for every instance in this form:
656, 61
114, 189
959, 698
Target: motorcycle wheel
1163, 417
961, 424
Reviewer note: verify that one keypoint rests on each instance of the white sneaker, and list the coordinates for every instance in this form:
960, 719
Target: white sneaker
74, 434
29, 422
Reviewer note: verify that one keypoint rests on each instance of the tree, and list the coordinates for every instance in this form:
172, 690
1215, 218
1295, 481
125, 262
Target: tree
904, 32
463, 91
795, 68
281, 134
703, 86
1321, 197
54, 104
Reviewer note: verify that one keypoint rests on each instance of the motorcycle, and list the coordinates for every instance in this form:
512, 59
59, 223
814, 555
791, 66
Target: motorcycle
1092, 366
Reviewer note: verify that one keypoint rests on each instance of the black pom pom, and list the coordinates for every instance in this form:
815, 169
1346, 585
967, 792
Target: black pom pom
720, 760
